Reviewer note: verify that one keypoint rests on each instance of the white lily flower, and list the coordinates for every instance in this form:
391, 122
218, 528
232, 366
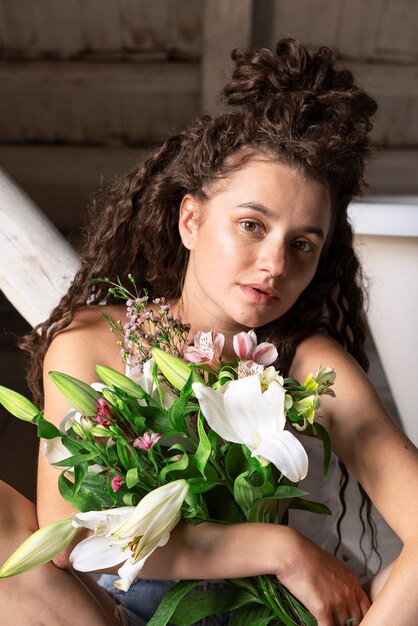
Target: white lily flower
144, 379
103, 522
129, 534
251, 411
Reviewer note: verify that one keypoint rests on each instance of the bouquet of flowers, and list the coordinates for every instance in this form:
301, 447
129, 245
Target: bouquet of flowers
181, 435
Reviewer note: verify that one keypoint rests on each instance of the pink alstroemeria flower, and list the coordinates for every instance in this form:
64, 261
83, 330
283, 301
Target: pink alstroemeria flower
103, 412
207, 349
146, 441
249, 368
116, 482
245, 346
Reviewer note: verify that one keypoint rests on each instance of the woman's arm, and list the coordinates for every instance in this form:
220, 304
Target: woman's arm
75, 351
384, 461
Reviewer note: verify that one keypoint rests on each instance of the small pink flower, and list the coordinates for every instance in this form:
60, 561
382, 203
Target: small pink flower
207, 348
103, 413
245, 346
146, 441
103, 408
116, 482
101, 420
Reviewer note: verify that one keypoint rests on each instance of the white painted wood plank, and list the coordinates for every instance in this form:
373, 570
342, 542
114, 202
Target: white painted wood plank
395, 87
62, 179
391, 265
36, 263
64, 29
226, 25
398, 34
386, 79
359, 27
393, 172
314, 22
372, 30
96, 102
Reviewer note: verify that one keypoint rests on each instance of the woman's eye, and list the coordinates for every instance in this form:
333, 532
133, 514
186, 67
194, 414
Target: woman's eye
250, 226
303, 246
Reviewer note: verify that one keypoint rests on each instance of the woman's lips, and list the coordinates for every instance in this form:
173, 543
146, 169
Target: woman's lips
257, 295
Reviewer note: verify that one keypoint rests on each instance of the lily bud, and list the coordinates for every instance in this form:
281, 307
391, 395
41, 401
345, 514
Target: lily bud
18, 405
82, 396
80, 429
40, 548
176, 371
114, 379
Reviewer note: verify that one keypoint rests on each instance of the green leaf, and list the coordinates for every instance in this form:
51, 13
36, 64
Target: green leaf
235, 461
79, 474
288, 491
201, 485
215, 443
82, 396
132, 477
201, 604
131, 499
177, 413
116, 380
77, 459
46, 430
188, 387
97, 483
264, 470
18, 405
305, 616
270, 510
179, 465
323, 433
126, 454
170, 602
251, 615
246, 493
222, 506
84, 500
204, 449
308, 505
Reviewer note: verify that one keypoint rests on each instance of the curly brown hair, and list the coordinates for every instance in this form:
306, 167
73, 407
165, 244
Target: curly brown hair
294, 107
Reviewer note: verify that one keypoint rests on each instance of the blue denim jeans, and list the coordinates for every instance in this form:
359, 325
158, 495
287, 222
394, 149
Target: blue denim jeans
144, 596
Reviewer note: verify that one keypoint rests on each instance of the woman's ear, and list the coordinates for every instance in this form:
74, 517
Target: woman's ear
188, 220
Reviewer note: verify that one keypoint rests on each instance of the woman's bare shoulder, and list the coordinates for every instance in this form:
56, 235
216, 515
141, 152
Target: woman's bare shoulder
87, 341
319, 349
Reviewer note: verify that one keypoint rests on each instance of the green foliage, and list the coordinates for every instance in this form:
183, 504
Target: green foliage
226, 483
84, 499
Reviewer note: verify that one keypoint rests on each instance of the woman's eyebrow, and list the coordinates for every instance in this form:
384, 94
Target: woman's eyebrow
256, 207
260, 208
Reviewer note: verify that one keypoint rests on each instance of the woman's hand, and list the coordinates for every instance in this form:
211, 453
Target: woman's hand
322, 583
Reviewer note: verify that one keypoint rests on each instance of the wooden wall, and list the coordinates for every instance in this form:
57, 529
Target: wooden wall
378, 41
87, 86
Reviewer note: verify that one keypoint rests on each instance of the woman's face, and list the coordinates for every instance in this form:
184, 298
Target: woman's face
254, 245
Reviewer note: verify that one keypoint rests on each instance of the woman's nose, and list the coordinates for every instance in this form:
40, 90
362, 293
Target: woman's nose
274, 260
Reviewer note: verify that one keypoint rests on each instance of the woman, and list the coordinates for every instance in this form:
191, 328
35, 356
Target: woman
241, 222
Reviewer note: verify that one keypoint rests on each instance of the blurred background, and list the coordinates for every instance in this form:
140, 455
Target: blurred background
88, 86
